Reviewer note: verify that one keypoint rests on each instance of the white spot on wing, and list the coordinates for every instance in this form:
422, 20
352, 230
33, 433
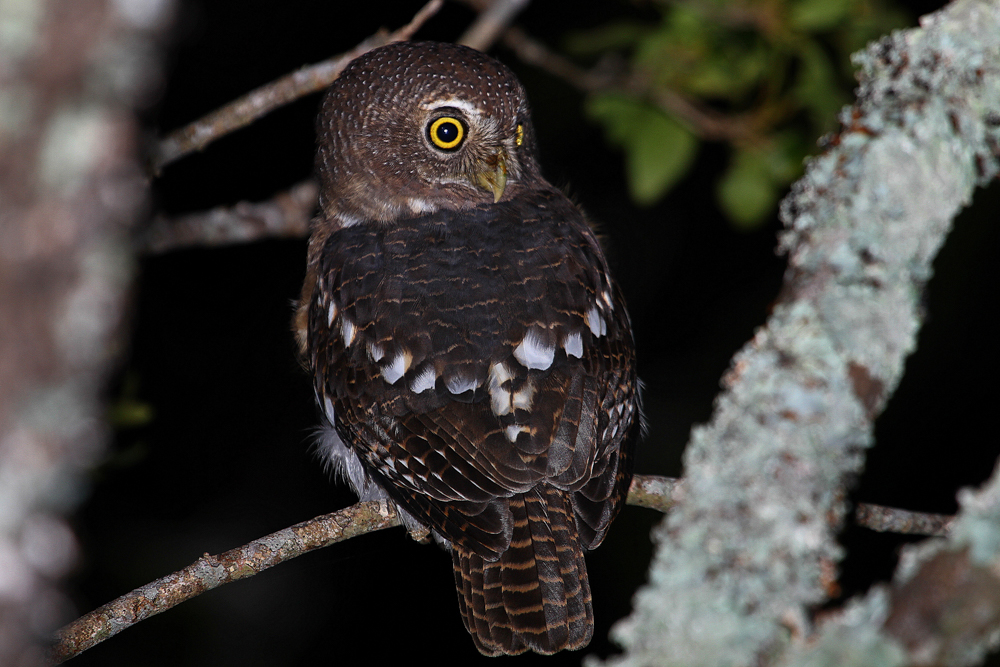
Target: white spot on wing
460, 385
331, 313
534, 353
376, 352
500, 399
521, 400
424, 381
597, 325
347, 331
328, 407
606, 295
397, 367
574, 345
513, 431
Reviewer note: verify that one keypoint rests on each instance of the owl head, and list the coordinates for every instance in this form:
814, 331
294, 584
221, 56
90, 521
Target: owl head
414, 127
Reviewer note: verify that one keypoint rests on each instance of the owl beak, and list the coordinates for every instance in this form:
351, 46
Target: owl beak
491, 174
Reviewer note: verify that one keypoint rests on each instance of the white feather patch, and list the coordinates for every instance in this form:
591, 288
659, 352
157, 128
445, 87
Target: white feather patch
534, 353
347, 331
424, 381
460, 385
376, 352
500, 399
597, 325
521, 400
574, 345
331, 313
397, 367
513, 431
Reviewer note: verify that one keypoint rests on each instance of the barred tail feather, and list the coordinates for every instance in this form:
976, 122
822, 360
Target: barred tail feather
536, 596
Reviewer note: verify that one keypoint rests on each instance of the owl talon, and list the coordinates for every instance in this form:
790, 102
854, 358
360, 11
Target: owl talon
420, 534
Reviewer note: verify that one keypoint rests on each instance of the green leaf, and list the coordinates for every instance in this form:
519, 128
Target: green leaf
129, 413
747, 192
658, 150
613, 36
817, 15
816, 87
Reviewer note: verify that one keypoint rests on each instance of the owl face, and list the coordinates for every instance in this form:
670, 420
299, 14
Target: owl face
411, 128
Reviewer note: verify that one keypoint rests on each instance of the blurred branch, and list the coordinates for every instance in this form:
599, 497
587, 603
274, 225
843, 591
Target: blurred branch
210, 572
287, 214
884, 519
493, 19
257, 103
71, 188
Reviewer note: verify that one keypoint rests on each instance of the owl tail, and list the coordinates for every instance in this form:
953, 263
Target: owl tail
536, 595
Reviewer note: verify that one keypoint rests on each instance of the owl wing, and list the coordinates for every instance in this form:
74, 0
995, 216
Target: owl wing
469, 356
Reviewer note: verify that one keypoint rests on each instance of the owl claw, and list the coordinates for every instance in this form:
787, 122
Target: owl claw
420, 534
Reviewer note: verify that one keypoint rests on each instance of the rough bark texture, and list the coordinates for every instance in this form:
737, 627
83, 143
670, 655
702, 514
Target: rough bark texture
750, 545
71, 74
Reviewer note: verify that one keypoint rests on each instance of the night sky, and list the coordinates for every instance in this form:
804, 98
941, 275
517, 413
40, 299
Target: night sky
227, 455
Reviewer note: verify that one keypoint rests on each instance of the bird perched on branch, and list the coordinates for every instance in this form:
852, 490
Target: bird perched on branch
468, 345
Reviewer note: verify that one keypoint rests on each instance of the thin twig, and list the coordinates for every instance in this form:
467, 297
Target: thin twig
257, 103
285, 215
210, 572
884, 519
492, 21
703, 122
653, 491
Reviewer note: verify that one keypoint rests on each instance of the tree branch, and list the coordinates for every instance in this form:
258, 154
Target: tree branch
884, 519
704, 122
751, 541
287, 214
494, 18
260, 102
210, 572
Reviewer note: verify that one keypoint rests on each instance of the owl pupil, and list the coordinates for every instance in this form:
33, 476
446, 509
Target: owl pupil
447, 132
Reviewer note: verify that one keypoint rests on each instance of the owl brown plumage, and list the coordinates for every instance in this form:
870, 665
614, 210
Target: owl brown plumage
467, 342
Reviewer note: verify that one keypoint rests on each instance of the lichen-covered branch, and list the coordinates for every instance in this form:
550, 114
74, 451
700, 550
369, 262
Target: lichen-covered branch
749, 543
262, 101
210, 572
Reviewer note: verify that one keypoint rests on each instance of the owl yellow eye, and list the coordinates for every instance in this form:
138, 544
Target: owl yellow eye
446, 133
519, 139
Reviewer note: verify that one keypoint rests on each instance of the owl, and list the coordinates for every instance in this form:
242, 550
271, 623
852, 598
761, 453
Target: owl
471, 355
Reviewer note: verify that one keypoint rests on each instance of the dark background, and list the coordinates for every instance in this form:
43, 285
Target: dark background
227, 455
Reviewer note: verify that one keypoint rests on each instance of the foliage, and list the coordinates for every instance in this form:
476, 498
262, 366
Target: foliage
765, 77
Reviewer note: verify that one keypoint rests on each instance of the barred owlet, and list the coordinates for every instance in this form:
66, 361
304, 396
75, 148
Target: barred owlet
468, 346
